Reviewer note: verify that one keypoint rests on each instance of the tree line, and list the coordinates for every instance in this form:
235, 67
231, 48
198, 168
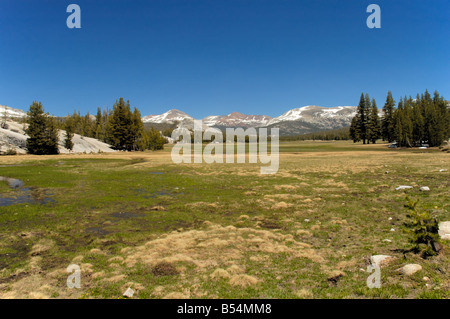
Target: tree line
415, 122
341, 134
120, 127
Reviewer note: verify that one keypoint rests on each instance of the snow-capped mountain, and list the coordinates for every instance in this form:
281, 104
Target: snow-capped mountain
314, 113
10, 112
170, 117
301, 120
237, 119
234, 119
312, 118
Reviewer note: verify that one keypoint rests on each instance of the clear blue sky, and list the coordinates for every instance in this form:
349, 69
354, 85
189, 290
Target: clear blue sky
218, 56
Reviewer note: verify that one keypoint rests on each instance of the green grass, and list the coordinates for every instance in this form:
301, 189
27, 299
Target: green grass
117, 204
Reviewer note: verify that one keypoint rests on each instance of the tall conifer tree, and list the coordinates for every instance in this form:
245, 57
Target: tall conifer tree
42, 131
387, 121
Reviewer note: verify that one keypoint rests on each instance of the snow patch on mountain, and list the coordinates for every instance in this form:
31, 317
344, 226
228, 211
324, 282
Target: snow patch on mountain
314, 113
170, 117
237, 119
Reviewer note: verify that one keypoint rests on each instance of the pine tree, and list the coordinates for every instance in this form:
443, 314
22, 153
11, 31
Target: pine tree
414, 122
398, 123
88, 126
418, 123
407, 138
154, 140
374, 123
137, 129
120, 126
423, 230
42, 131
99, 132
387, 121
443, 117
432, 121
362, 119
68, 143
354, 130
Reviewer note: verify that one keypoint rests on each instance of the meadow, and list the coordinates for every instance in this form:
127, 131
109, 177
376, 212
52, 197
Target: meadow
220, 230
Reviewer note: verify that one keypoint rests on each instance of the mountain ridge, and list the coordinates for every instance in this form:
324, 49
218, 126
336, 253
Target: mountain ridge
306, 119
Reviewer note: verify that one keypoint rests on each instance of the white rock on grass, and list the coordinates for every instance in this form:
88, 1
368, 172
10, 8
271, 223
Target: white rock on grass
381, 260
444, 230
403, 187
128, 293
410, 269
424, 189
443, 170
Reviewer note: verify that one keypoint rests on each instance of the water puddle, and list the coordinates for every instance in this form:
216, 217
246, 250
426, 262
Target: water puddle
23, 195
126, 215
12, 182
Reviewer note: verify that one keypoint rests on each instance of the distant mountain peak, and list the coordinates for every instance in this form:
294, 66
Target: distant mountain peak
309, 112
237, 119
170, 116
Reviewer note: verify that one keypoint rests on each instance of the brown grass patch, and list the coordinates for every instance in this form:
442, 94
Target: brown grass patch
216, 247
42, 246
243, 280
220, 274
303, 233
286, 187
115, 278
281, 205
164, 269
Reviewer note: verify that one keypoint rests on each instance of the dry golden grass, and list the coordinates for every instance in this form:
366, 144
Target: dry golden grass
217, 248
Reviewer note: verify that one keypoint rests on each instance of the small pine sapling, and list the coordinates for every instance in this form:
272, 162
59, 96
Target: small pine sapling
423, 230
